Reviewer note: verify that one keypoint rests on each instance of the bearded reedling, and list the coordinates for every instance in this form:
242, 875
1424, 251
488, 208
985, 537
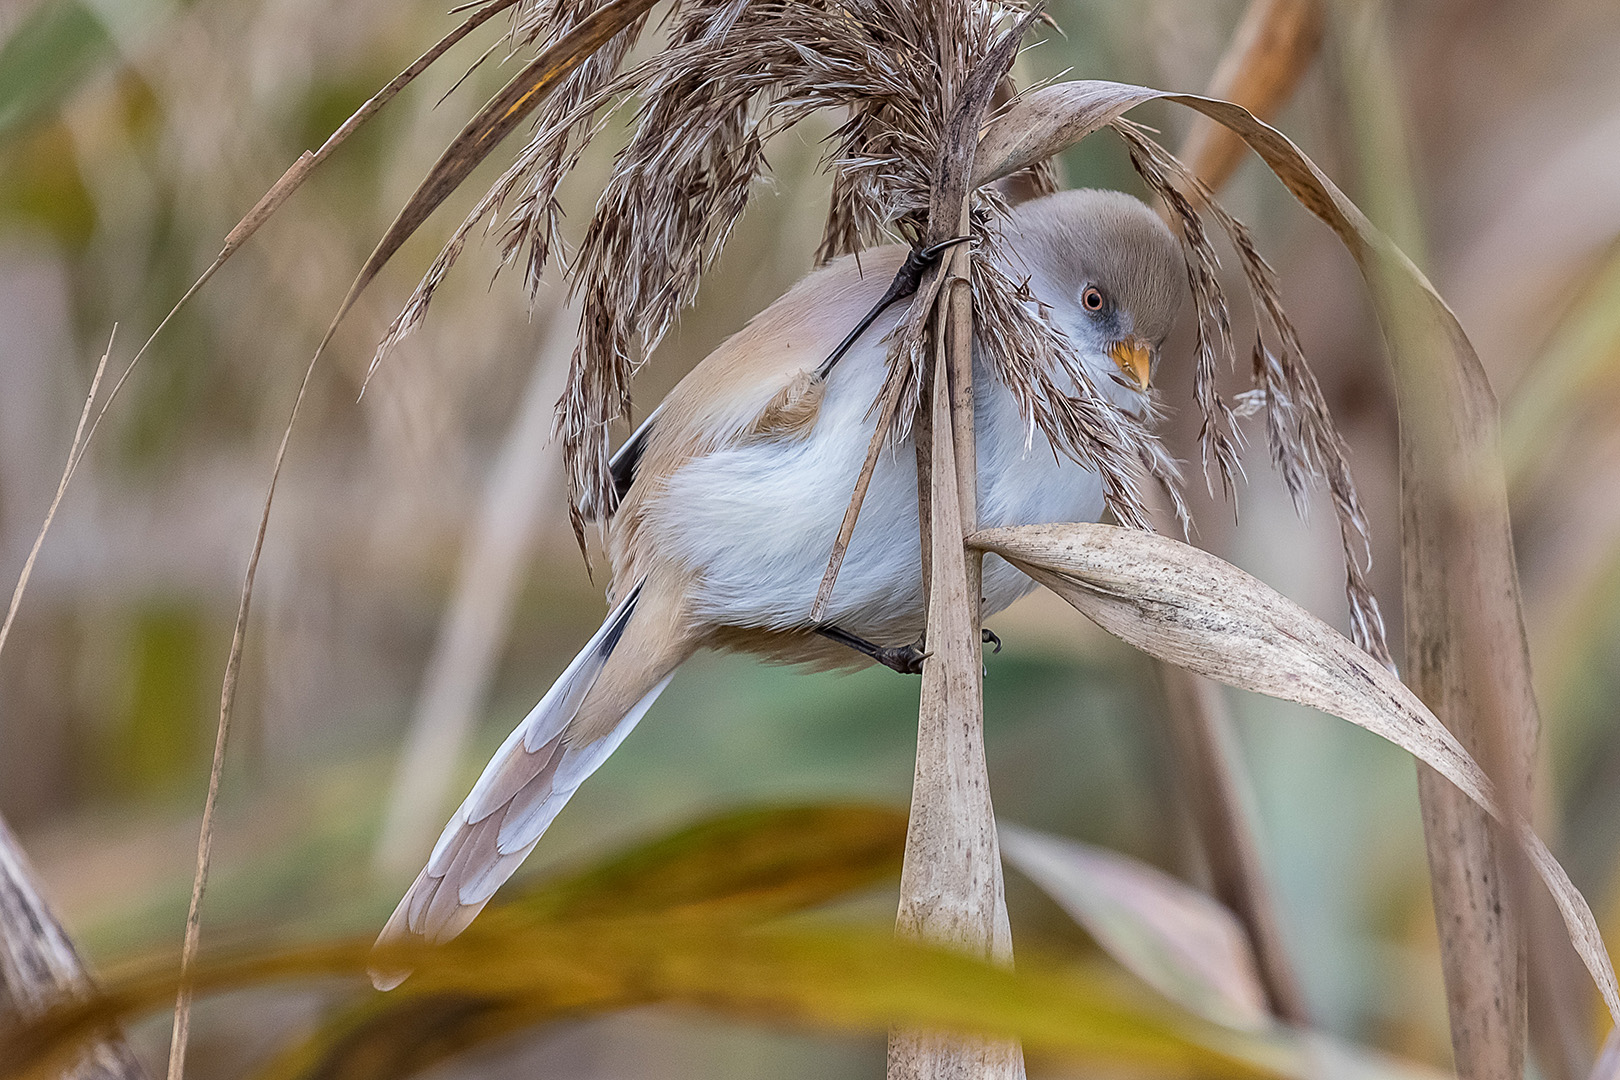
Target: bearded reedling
733, 491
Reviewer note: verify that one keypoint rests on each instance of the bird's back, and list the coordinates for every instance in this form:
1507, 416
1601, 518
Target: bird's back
756, 386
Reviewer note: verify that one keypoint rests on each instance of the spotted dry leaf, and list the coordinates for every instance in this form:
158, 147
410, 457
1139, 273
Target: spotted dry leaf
1188, 608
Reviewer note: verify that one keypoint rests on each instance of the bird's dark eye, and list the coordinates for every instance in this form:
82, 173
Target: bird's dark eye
1092, 298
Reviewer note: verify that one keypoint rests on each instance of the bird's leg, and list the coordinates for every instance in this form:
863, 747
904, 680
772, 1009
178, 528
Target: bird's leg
905, 282
906, 659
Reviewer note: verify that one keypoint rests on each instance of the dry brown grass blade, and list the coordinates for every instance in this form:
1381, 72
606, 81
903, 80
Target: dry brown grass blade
1186, 607
1273, 46
181, 1032
39, 968
496, 120
81, 439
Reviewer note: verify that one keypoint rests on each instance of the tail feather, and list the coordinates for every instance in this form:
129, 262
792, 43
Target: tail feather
539, 766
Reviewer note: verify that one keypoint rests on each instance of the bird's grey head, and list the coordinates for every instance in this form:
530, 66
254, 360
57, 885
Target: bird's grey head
1111, 271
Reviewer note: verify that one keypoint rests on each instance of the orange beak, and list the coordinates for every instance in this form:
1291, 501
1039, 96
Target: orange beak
1135, 358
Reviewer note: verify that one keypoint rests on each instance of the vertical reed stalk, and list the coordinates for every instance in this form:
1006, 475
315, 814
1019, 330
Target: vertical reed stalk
1466, 656
950, 884
1273, 45
1212, 780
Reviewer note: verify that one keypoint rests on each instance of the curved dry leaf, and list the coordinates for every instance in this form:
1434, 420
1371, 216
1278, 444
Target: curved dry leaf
1188, 608
1176, 939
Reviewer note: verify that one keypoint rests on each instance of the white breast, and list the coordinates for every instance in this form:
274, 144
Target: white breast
758, 520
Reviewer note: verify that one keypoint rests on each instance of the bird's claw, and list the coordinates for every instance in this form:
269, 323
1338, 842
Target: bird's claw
906, 659
988, 637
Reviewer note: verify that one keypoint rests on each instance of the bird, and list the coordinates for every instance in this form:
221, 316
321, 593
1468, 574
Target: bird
734, 488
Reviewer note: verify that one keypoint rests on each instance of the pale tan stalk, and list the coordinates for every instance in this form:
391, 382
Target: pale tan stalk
39, 968
1466, 654
951, 885
1273, 46
950, 882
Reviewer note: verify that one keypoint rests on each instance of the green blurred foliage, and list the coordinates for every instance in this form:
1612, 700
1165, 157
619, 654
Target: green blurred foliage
58, 45
163, 738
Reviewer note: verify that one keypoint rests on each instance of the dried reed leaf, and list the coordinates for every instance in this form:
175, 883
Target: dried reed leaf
1188, 608
1047, 120
1176, 939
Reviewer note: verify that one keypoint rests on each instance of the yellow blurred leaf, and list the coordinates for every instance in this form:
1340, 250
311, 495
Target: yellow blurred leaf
754, 862
744, 865
842, 978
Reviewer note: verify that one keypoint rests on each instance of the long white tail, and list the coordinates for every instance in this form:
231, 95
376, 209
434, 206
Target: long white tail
539, 766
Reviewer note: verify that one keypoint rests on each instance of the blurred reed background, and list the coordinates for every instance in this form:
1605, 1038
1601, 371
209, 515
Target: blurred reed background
420, 573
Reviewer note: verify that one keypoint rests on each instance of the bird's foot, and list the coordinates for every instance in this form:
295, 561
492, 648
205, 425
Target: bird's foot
988, 636
906, 659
